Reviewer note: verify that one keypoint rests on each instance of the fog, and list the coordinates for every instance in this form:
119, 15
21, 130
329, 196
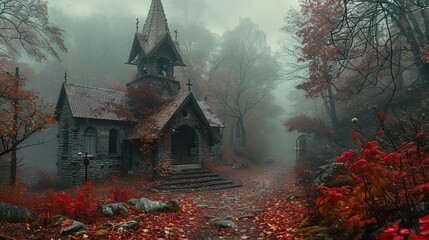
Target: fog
99, 33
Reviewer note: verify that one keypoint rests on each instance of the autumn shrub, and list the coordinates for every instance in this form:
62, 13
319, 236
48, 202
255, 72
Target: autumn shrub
389, 184
117, 194
16, 195
82, 205
308, 125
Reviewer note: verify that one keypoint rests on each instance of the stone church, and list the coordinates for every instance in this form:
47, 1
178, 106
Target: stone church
188, 131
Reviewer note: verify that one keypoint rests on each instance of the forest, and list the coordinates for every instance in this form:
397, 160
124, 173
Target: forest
326, 129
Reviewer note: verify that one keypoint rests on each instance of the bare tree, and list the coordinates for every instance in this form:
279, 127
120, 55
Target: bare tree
246, 73
24, 26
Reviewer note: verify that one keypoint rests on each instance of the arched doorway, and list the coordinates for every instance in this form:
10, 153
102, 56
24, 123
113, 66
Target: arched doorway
184, 146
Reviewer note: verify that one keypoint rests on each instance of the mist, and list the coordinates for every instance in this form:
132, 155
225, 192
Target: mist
99, 34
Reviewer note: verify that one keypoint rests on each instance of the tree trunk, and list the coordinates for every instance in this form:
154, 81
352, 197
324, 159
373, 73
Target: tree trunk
13, 168
242, 131
331, 108
15, 125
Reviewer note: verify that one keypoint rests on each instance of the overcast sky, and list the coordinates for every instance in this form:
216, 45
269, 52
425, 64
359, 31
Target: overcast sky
218, 15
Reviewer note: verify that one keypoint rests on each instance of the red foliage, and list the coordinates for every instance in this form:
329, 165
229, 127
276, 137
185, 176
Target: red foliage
117, 194
385, 183
321, 18
309, 125
32, 113
394, 232
145, 99
82, 206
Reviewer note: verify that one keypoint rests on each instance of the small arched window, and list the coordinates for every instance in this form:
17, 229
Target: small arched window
113, 141
90, 137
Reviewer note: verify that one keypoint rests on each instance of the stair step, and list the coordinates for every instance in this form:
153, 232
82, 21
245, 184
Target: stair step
196, 185
193, 172
208, 188
193, 176
192, 180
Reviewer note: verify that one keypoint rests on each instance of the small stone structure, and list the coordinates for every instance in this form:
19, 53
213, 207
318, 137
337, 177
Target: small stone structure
89, 120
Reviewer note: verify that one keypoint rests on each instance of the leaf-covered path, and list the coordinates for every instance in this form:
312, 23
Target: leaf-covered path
258, 210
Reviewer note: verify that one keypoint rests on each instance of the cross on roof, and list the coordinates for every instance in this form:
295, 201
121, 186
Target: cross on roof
189, 84
175, 34
137, 24
65, 76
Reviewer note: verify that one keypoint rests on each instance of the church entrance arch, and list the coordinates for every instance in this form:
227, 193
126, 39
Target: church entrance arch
184, 145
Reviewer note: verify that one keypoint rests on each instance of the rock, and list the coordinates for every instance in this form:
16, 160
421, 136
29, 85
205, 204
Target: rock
225, 224
246, 216
75, 227
222, 208
215, 219
15, 214
109, 225
112, 209
133, 201
237, 165
138, 218
268, 159
292, 198
130, 225
258, 211
208, 217
81, 232
147, 205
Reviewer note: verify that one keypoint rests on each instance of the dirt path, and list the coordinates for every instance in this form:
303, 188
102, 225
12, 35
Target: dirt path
258, 210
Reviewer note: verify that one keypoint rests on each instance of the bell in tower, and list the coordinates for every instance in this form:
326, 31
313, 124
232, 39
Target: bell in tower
154, 51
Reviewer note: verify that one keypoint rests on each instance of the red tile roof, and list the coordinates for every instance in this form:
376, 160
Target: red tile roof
95, 103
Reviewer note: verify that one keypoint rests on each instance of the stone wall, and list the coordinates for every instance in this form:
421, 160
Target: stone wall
70, 167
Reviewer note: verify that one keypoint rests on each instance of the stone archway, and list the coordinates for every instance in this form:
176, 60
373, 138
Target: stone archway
184, 146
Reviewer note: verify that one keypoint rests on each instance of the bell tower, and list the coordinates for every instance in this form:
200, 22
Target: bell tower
154, 52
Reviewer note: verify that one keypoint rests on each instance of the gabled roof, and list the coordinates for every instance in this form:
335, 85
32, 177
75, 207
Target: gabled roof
94, 103
158, 122
155, 27
155, 33
210, 115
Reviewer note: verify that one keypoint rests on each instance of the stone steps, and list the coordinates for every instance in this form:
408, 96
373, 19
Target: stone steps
192, 180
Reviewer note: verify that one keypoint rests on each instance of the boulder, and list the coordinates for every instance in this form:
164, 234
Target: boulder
130, 225
147, 205
133, 201
73, 228
237, 165
225, 224
15, 214
112, 209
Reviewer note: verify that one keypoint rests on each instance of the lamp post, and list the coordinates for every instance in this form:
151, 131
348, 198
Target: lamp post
86, 163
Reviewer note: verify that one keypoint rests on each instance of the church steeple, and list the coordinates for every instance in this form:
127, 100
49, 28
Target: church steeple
154, 51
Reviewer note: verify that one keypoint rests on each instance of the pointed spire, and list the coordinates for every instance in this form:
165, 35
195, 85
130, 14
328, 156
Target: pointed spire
155, 27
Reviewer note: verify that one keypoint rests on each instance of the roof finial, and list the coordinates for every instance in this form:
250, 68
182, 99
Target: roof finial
206, 99
65, 77
175, 34
137, 24
189, 84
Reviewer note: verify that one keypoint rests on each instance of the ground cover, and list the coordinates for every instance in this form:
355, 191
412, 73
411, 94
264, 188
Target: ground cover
266, 207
